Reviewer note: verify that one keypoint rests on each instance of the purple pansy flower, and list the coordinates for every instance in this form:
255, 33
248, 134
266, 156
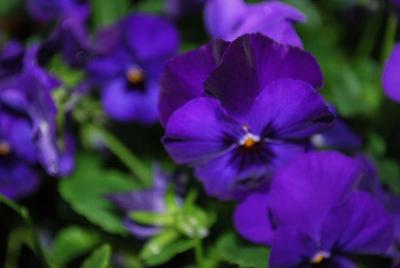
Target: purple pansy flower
28, 118
313, 214
229, 19
391, 77
256, 111
128, 65
150, 200
47, 10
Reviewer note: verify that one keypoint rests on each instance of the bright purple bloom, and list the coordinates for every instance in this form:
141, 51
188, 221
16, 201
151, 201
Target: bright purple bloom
391, 77
149, 200
314, 214
128, 66
257, 110
229, 19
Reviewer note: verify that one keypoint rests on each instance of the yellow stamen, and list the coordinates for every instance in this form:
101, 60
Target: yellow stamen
320, 257
249, 143
4, 149
135, 75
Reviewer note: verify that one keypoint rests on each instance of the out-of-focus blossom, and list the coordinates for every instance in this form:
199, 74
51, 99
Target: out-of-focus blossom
48, 10
229, 19
391, 77
257, 111
179, 8
149, 200
340, 137
28, 127
128, 65
313, 214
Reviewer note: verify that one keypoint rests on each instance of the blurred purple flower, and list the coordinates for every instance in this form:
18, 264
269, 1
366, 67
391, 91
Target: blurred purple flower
314, 214
340, 137
149, 200
229, 19
179, 8
391, 77
256, 113
28, 125
46, 10
128, 63
11, 55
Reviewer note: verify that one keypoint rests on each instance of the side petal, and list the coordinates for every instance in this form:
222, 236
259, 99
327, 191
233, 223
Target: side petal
252, 62
291, 248
391, 75
198, 132
252, 219
184, 76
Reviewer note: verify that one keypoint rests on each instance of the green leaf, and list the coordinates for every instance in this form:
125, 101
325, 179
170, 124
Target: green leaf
150, 218
152, 6
248, 256
86, 190
106, 12
163, 247
99, 258
389, 171
70, 243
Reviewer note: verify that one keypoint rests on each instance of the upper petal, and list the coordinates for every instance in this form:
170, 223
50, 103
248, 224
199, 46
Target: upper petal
291, 109
391, 75
252, 62
185, 75
222, 16
303, 192
150, 37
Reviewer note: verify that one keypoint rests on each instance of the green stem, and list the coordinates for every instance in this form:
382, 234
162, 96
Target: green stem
198, 251
389, 38
127, 157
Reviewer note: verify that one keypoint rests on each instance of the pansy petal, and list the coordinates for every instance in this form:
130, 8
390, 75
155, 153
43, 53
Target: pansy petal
361, 225
199, 131
140, 231
150, 37
16, 179
252, 62
234, 174
252, 219
303, 191
221, 16
126, 105
391, 77
185, 74
290, 109
291, 248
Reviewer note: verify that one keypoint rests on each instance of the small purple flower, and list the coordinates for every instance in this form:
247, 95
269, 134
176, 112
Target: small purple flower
313, 214
128, 65
149, 200
391, 77
27, 108
256, 111
229, 19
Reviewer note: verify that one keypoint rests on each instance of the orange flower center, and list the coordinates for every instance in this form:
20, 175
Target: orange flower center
249, 140
319, 257
4, 149
135, 75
